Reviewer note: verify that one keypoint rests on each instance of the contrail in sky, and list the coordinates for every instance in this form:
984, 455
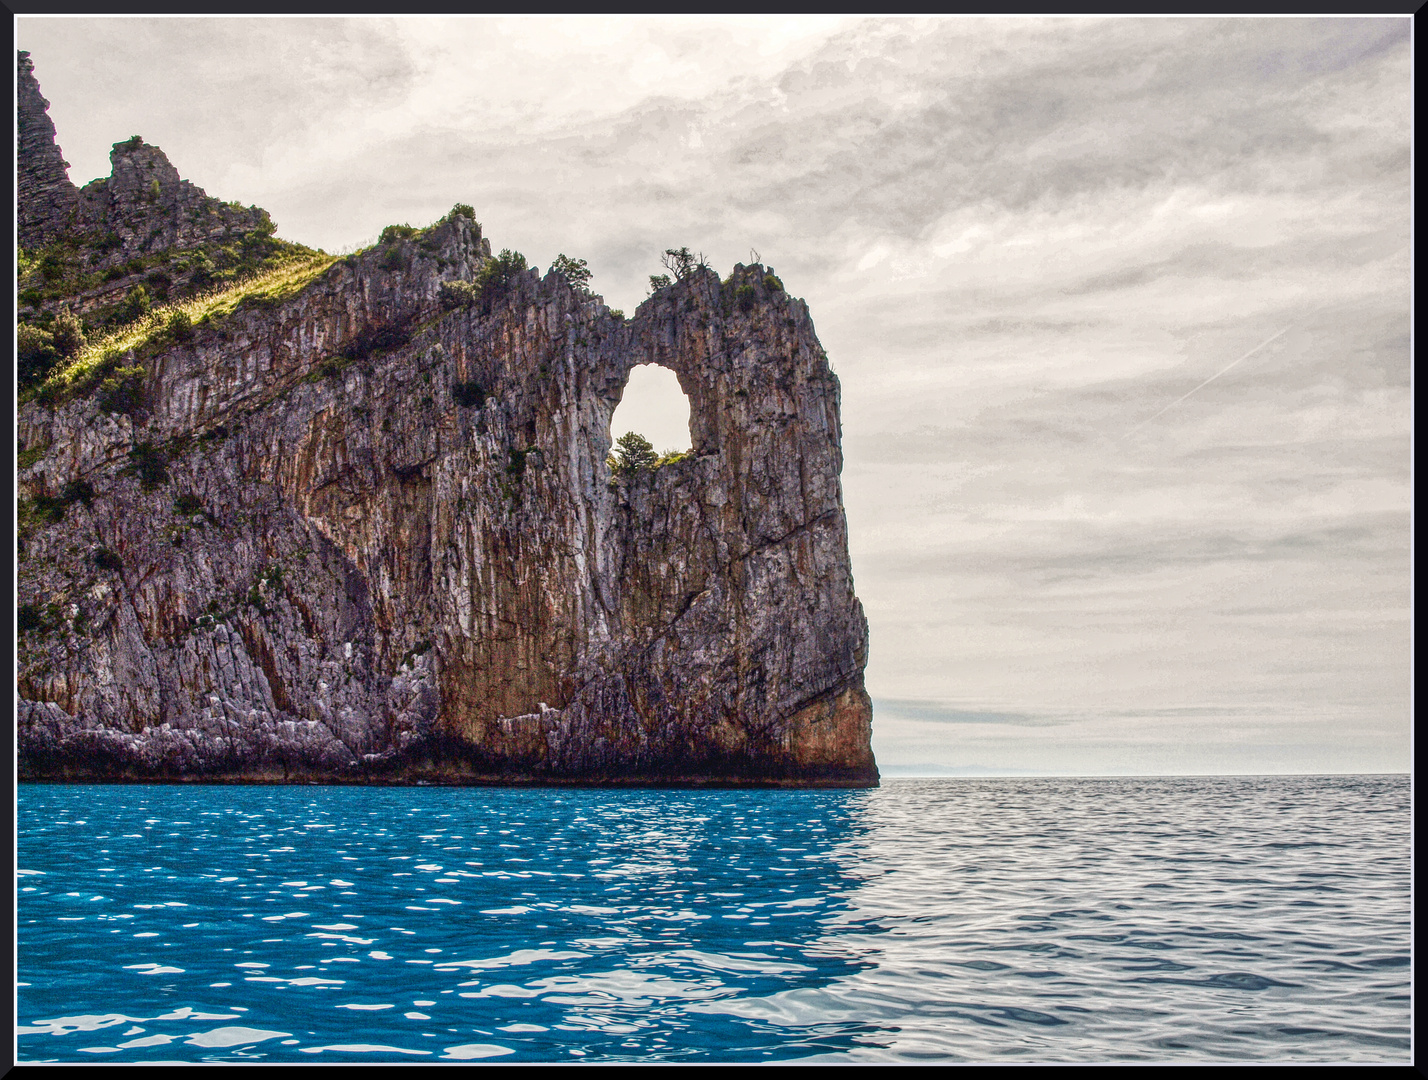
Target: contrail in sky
1208, 381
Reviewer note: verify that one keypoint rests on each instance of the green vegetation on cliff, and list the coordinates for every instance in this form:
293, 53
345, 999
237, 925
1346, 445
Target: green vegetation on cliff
60, 356
100, 361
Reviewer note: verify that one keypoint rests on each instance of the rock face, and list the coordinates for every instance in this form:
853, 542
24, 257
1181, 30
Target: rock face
364, 534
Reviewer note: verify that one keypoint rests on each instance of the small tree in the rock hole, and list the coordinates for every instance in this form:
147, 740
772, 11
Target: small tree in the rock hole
632, 452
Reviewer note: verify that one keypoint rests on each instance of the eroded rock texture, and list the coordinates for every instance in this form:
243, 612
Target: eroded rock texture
358, 535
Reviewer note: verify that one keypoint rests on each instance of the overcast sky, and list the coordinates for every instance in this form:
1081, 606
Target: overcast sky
1021, 240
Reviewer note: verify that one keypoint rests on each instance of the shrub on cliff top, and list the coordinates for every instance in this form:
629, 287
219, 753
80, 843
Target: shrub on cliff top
392, 233
495, 274
682, 262
575, 271
461, 209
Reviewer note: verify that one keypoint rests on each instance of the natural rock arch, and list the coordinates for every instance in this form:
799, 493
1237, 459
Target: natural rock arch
411, 565
663, 412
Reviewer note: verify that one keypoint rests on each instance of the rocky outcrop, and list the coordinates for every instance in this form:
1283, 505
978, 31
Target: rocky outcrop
143, 225
47, 200
144, 207
364, 534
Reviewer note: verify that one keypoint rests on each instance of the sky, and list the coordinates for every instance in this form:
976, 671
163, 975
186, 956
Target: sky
1120, 309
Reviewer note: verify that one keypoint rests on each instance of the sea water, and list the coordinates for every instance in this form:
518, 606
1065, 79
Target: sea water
1179, 919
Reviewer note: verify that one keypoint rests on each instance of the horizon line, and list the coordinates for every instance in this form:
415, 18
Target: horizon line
953, 774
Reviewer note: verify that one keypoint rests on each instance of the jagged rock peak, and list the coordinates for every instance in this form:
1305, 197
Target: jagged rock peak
46, 197
150, 209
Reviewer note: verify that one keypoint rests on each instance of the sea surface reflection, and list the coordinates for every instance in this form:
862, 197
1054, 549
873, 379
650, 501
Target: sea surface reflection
1057, 920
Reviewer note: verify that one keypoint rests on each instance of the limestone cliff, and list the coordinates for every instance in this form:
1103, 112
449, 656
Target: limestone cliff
365, 529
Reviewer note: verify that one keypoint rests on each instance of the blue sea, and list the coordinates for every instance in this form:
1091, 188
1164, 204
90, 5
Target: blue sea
1058, 920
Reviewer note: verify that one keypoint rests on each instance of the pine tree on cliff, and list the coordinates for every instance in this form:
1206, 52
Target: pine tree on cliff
632, 453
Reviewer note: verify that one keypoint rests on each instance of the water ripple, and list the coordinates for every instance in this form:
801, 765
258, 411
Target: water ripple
1188, 919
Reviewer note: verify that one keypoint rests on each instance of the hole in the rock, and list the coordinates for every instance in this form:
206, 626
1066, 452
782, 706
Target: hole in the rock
654, 406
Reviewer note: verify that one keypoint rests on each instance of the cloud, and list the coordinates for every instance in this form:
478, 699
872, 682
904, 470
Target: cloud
940, 713
1020, 239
